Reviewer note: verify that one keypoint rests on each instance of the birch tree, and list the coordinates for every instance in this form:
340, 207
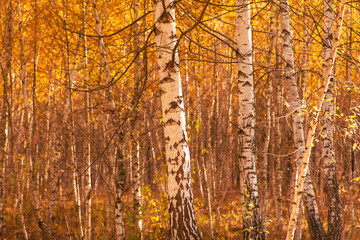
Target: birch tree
88, 185
119, 177
69, 122
304, 164
181, 210
26, 124
135, 145
253, 228
315, 225
328, 154
5, 113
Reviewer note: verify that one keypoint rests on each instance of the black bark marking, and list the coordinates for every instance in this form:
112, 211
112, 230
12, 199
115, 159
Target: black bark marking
241, 74
161, 92
174, 105
247, 84
166, 18
172, 122
172, 66
173, 35
182, 216
183, 140
172, 5
179, 99
156, 31
241, 132
175, 159
285, 32
288, 65
179, 177
167, 80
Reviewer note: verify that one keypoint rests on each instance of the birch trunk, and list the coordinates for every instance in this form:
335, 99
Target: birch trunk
135, 152
70, 127
29, 138
119, 165
253, 228
201, 159
88, 186
5, 114
119, 186
4, 147
315, 225
181, 210
278, 166
134, 125
349, 166
309, 142
278, 137
264, 169
328, 154
4, 144
109, 94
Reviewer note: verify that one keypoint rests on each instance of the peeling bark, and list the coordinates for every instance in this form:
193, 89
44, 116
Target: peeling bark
252, 222
181, 210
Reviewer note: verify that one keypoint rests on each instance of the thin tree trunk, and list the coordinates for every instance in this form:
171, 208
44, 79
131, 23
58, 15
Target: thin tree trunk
252, 222
181, 209
23, 79
264, 167
215, 137
278, 165
314, 222
119, 165
134, 126
6, 111
328, 154
201, 159
30, 132
108, 89
119, 186
70, 125
88, 185
349, 169
269, 92
278, 137
135, 152
305, 161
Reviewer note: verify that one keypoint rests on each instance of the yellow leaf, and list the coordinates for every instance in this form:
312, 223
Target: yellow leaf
354, 146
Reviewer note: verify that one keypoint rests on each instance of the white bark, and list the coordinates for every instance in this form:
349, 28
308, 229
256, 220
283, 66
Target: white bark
134, 125
109, 94
88, 186
328, 154
309, 142
3, 157
253, 228
119, 173
181, 210
119, 186
6, 112
314, 222
278, 168
70, 127
26, 131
